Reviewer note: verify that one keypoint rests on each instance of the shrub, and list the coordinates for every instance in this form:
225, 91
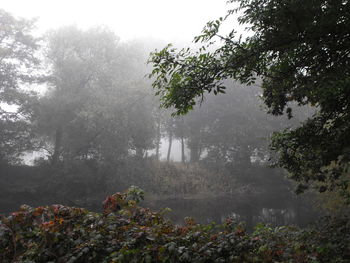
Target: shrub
126, 232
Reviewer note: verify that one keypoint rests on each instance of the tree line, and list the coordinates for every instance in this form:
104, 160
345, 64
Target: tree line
82, 99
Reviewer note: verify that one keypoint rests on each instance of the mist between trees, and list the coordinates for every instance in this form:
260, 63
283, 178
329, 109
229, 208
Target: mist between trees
80, 101
101, 117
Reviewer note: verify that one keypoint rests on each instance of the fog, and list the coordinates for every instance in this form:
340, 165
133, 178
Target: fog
165, 20
88, 123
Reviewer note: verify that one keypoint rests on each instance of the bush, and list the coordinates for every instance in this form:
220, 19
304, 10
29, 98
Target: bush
128, 233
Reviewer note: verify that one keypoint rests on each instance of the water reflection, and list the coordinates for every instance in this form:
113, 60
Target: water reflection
250, 210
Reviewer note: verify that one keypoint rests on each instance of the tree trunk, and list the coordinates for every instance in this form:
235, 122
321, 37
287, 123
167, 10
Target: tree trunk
139, 153
182, 150
58, 144
194, 155
170, 144
244, 156
194, 143
158, 138
194, 151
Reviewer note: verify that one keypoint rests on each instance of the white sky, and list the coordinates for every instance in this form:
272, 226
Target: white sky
168, 20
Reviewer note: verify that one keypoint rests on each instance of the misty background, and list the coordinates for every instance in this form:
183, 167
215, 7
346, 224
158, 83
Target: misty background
85, 123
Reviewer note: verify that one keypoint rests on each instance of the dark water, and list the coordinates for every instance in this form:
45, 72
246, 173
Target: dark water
250, 210
28, 185
206, 210
24, 186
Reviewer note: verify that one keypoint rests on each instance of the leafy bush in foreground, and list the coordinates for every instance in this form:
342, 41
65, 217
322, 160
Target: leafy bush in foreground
128, 233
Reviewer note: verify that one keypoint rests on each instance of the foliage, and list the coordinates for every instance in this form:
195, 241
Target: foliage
177, 180
17, 54
18, 61
128, 233
334, 202
100, 107
300, 51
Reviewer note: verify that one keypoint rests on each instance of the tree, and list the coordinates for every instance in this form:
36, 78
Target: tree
301, 52
96, 107
141, 125
81, 71
17, 64
169, 126
180, 133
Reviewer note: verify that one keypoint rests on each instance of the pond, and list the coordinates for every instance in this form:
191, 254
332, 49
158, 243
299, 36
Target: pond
249, 209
